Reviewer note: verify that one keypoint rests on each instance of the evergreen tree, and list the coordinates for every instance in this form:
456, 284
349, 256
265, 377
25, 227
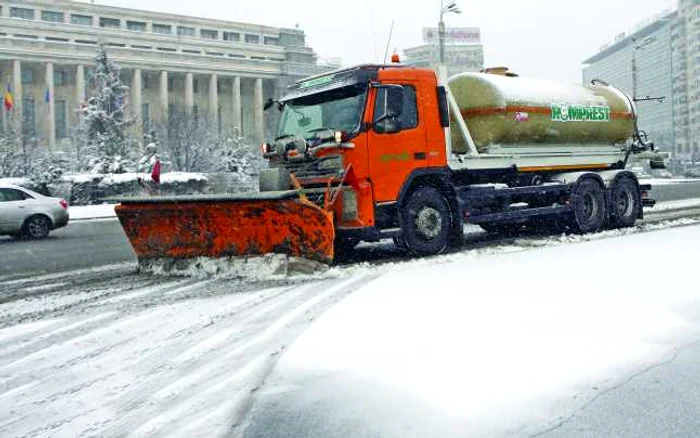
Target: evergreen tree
104, 129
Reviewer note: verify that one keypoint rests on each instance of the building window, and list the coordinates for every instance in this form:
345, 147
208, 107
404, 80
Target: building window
25, 13
232, 36
270, 41
110, 23
195, 86
60, 109
162, 28
84, 20
28, 118
208, 33
171, 83
252, 39
27, 76
56, 17
185, 31
59, 77
136, 26
145, 117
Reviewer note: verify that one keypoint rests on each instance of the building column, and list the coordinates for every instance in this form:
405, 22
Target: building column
6, 11
49, 102
136, 100
258, 116
80, 86
163, 96
189, 94
15, 115
236, 105
214, 101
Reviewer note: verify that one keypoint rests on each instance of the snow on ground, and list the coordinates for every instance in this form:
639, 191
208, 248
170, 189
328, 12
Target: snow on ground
169, 177
99, 211
503, 343
118, 353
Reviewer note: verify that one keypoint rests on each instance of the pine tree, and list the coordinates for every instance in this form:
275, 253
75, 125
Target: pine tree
105, 123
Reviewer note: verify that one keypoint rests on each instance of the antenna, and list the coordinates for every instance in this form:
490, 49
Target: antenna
391, 31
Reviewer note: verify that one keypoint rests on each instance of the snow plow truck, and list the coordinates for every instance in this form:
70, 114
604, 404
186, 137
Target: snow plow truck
392, 151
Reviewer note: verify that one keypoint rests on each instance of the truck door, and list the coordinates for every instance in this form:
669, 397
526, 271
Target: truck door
396, 140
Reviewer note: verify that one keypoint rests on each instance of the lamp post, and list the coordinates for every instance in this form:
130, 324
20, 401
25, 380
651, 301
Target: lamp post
636, 47
450, 7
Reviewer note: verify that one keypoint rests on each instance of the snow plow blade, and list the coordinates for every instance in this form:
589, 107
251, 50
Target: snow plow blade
182, 227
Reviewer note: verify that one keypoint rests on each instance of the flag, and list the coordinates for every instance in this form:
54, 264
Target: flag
9, 103
155, 173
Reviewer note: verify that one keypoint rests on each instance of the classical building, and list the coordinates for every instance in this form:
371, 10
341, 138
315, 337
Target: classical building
219, 69
463, 50
639, 62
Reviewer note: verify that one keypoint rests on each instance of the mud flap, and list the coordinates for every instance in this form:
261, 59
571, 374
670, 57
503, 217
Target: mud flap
190, 227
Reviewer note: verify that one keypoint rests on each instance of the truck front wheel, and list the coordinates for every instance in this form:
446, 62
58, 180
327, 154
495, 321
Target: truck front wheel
589, 207
426, 222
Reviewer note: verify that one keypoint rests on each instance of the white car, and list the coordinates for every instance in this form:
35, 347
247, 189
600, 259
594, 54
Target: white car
24, 213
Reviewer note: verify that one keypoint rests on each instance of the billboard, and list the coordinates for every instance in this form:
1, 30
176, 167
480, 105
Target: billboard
453, 35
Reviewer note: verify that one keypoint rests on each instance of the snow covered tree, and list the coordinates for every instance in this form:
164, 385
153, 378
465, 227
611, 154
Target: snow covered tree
104, 128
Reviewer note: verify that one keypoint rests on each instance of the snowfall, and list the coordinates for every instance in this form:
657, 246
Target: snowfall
503, 339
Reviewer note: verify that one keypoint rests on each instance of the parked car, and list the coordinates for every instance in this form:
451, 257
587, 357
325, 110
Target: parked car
24, 213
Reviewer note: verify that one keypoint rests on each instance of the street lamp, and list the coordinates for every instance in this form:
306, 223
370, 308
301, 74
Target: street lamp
445, 9
636, 47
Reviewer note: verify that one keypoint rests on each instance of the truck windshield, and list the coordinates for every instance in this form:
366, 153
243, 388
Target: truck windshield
336, 110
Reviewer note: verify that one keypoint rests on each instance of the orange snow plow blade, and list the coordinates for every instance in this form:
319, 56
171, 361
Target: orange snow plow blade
230, 225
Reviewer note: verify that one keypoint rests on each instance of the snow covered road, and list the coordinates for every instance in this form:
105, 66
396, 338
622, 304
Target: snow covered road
105, 352
108, 352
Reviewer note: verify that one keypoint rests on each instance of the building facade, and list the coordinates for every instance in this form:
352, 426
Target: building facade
685, 42
463, 50
640, 63
219, 69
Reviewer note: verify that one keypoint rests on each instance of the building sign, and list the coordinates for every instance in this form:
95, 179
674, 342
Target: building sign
578, 113
453, 35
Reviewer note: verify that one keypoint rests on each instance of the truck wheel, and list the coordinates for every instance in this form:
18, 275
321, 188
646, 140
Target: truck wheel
426, 222
343, 248
589, 207
625, 203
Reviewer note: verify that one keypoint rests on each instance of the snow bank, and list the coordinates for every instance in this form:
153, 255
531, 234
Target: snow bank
171, 177
14, 181
500, 343
100, 211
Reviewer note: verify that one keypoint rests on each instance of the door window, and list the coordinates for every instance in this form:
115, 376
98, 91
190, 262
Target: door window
400, 107
7, 195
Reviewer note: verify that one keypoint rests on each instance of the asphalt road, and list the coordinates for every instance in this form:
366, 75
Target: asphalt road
82, 244
85, 244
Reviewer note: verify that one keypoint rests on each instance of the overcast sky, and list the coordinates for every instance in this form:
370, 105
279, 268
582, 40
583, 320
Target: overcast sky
537, 38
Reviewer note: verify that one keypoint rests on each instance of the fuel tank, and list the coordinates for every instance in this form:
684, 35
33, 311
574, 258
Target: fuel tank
510, 111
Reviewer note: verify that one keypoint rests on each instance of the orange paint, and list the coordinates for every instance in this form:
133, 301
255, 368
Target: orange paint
565, 167
490, 111
220, 228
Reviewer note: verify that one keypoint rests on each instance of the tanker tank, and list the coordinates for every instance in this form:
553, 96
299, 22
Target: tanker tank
508, 112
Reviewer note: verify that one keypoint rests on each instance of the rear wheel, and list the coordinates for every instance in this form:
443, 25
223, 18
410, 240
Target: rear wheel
625, 203
426, 222
37, 227
589, 207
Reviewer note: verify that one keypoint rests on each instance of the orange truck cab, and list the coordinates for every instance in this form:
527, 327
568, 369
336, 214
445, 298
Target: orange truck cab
372, 145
